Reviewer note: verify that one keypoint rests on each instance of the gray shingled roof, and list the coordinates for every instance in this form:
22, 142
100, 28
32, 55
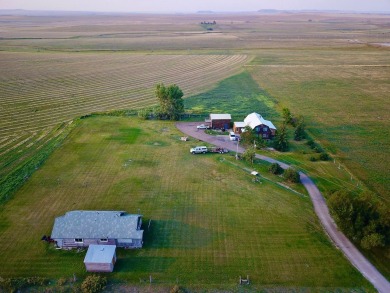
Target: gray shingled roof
97, 224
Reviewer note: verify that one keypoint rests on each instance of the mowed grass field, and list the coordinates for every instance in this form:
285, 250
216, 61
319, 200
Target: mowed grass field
39, 91
343, 96
210, 223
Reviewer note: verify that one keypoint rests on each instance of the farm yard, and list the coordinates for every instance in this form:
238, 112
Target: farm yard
209, 221
207, 227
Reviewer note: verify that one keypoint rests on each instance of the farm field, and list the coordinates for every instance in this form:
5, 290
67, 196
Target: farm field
328, 67
344, 100
210, 221
40, 91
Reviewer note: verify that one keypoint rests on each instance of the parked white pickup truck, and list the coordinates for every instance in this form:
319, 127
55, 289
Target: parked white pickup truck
199, 150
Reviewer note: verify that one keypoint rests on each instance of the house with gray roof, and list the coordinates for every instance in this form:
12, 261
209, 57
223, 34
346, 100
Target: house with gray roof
82, 228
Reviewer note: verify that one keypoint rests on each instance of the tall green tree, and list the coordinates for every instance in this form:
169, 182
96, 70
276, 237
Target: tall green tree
287, 115
171, 101
299, 132
250, 137
281, 139
249, 154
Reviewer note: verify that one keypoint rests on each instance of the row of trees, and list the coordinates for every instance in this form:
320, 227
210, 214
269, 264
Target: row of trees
363, 218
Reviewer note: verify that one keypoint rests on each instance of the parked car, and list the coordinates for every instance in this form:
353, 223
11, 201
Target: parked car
199, 150
202, 126
232, 136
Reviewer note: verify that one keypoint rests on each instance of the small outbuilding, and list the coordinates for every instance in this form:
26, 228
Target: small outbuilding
220, 121
238, 127
100, 258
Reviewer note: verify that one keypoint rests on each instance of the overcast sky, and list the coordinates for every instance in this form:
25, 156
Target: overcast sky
194, 5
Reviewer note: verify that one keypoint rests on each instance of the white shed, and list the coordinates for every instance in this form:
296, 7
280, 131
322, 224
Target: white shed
100, 258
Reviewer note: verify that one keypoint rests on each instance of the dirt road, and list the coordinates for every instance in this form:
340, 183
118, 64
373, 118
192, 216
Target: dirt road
321, 209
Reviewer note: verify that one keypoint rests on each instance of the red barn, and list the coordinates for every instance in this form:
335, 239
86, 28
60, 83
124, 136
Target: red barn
220, 121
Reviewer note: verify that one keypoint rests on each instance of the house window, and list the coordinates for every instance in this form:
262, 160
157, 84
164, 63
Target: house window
78, 240
265, 129
265, 135
104, 240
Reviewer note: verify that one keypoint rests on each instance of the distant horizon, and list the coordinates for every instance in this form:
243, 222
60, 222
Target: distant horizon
195, 6
194, 12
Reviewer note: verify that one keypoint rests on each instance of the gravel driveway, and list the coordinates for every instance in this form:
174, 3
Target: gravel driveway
321, 209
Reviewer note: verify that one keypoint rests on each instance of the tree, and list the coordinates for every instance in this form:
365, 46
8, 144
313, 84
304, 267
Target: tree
249, 137
275, 168
281, 140
291, 175
249, 154
287, 115
362, 218
299, 132
171, 101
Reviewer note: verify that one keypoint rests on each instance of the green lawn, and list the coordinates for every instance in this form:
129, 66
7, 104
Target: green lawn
209, 222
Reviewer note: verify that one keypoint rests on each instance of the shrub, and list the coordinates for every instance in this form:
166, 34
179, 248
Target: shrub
372, 240
275, 168
61, 281
177, 289
313, 159
93, 284
311, 143
318, 149
16, 284
144, 114
291, 175
324, 157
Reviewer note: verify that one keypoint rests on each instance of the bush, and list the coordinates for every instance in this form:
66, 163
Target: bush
324, 157
313, 159
318, 149
372, 240
93, 284
144, 114
61, 281
16, 284
291, 175
177, 289
275, 168
311, 143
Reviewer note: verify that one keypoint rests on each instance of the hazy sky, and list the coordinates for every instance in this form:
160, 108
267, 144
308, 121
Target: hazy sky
194, 5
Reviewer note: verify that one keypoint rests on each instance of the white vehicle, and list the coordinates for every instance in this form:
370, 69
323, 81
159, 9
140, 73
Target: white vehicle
232, 136
202, 126
199, 150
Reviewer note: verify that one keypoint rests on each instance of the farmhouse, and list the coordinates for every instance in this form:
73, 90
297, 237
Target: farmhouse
263, 128
220, 121
83, 228
100, 258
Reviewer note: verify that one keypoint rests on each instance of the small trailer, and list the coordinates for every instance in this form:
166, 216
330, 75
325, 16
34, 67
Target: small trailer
218, 150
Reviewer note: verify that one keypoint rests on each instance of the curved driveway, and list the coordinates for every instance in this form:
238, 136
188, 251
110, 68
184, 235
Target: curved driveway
320, 207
